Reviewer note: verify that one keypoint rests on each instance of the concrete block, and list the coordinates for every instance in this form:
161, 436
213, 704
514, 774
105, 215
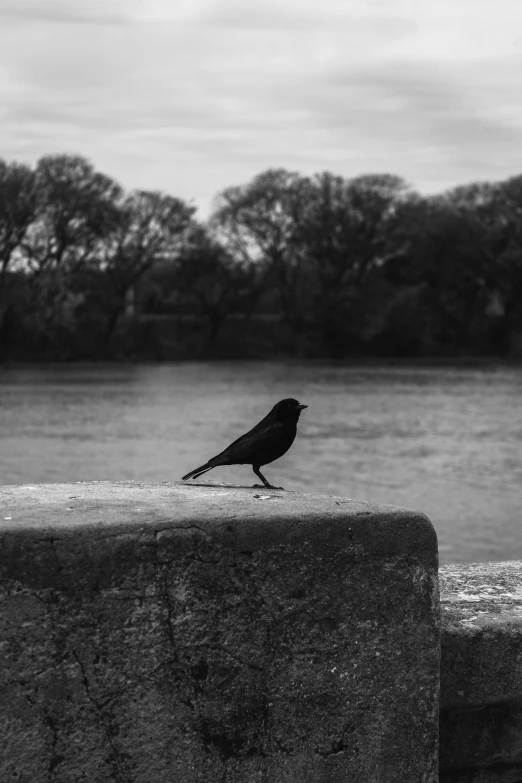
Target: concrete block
481, 673
198, 633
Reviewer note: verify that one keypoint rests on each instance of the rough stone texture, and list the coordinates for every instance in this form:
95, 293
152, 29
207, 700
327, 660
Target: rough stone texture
481, 673
201, 633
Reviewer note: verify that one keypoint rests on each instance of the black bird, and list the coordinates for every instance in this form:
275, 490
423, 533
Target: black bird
266, 442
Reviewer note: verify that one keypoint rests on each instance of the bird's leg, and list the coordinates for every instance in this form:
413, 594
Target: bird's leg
258, 473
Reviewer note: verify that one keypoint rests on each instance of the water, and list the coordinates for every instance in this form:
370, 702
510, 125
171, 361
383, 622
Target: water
446, 441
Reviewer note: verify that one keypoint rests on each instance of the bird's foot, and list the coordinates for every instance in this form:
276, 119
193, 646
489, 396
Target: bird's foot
265, 486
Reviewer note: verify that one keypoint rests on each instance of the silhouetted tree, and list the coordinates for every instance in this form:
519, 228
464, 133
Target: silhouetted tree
17, 211
76, 207
323, 265
345, 235
257, 222
507, 284
211, 279
450, 261
149, 228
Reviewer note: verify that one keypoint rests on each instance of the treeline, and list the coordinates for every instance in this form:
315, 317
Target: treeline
289, 265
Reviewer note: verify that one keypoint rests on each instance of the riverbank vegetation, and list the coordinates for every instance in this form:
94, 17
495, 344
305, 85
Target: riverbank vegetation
286, 265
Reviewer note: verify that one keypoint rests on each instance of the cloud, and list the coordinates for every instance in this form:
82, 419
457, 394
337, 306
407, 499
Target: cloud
196, 95
428, 123
64, 11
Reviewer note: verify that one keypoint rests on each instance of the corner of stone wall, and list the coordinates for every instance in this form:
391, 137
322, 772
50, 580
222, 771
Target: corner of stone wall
160, 632
481, 673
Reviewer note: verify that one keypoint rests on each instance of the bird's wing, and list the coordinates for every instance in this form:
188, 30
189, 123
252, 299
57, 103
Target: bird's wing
251, 446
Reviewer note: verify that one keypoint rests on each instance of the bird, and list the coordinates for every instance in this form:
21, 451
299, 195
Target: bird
264, 443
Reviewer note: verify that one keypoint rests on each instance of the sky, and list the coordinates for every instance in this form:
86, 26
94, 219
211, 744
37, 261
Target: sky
192, 96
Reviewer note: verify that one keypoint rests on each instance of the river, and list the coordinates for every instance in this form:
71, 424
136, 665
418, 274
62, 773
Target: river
447, 441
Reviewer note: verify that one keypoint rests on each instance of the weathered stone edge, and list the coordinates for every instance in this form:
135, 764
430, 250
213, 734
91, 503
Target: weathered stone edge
233, 517
481, 607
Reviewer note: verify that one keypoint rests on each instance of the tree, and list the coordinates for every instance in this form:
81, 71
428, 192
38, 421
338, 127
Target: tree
210, 279
17, 211
507, 202
76, 208
149, 228
450, 245
257, 223
345, 234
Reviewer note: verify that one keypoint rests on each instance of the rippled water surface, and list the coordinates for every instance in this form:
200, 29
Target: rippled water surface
446, 441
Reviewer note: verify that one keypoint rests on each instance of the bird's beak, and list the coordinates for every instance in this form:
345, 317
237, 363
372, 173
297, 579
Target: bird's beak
301, 407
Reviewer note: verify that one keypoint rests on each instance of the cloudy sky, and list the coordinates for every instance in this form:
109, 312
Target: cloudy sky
190, 96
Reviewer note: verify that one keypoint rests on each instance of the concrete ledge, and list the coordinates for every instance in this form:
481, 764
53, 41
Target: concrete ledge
481, 673
204, 633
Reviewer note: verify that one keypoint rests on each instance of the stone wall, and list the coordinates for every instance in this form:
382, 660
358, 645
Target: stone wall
201, 633
481, 673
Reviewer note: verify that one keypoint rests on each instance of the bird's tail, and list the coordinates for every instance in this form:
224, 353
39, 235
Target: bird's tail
198, 471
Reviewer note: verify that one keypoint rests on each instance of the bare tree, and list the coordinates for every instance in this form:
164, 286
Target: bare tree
211, 279
258, 223
150, 227
17, 211
346, 236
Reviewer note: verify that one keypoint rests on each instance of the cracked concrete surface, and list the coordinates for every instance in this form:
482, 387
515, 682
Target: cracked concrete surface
198, 633
481, 673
